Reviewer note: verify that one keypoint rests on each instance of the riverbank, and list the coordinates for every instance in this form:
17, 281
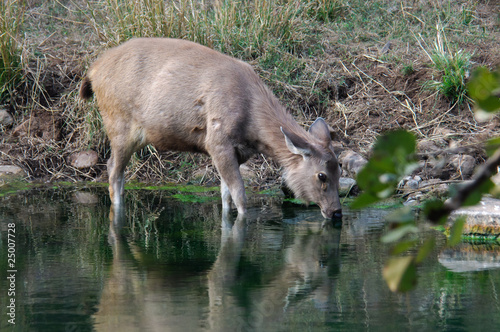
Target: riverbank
366, 67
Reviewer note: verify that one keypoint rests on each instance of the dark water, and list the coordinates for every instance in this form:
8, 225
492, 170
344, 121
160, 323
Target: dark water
173, 266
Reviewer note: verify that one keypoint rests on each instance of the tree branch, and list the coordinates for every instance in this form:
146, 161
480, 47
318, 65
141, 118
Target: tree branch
487, 170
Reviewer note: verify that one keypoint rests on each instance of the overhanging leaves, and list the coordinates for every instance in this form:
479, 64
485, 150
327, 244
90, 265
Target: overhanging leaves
393, 157
400, 273
456, 232
484, 88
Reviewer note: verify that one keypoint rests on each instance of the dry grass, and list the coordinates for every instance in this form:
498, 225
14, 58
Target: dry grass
11, 22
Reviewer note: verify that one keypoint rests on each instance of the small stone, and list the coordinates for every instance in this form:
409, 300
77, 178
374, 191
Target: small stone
411, 202
246, 172
412, 184
83, 159
352, 162
5, 118
464, 164
427, 146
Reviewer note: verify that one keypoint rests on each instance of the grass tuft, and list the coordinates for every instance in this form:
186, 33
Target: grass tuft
452, 67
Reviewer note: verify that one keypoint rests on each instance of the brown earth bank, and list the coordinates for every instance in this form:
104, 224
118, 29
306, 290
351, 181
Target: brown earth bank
367, 86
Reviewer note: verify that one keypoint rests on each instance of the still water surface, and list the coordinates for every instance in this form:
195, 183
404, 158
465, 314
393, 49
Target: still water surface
167, 265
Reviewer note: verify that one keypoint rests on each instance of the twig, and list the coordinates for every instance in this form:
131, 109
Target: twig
373, 59
455, 202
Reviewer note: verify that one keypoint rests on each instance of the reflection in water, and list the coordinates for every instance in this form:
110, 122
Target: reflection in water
133, 298
303, 277
171, 266
467, 257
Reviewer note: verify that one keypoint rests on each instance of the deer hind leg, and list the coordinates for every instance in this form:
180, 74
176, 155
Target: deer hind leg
122, 148
116, 171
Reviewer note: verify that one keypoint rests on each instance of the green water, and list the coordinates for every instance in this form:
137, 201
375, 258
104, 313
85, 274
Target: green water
170, 265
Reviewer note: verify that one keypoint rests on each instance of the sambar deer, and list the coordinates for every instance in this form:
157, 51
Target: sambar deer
182, 96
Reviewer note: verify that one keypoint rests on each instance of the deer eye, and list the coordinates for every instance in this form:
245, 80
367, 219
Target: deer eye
322, 177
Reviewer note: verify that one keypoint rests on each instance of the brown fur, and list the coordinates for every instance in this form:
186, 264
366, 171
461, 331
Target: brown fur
178, 95
86, 89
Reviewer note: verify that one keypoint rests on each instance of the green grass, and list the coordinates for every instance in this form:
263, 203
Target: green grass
454, 70
11, 21
374, 20
451, 68
243, 29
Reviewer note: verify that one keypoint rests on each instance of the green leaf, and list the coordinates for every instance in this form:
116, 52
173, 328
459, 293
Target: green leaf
364, 200
484, 87
393, 157
400, 274
492, 146
425, 250
475, 196
432, 207
398, 233
456, 232
403, 246
395, 142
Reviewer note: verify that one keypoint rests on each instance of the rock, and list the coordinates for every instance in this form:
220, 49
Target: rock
464, 164
352, 162
439, 168
413, 200
426, 146
410, 183
482, 219
5, 118
435, 186
11, 170
348, 186
83, 159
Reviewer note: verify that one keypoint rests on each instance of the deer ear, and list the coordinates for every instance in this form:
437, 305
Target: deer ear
296, 144
321, 131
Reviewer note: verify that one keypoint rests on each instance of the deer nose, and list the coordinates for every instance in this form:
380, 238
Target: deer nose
337, 214
332, 214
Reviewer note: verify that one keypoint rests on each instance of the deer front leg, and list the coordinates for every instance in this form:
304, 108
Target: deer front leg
226, 196
232, 185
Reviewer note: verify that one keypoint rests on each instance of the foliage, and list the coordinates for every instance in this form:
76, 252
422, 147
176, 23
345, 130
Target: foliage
392, 160
484, 88
393, 157
11, 20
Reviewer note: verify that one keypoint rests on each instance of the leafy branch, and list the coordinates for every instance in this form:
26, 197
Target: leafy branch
394, 157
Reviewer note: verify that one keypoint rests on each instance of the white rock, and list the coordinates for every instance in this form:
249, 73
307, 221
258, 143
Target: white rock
83, 159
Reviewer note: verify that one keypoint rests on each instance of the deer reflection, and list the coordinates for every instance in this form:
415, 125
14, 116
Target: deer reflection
138, 297
310, 262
